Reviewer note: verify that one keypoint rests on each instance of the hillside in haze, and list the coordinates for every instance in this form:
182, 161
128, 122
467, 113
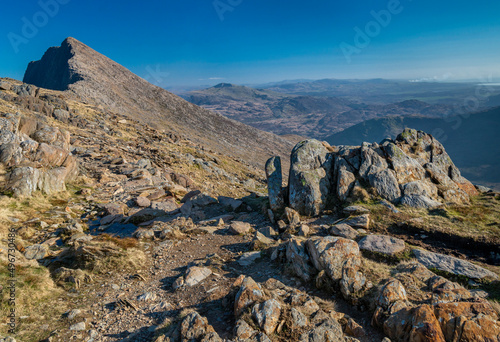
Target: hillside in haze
305, 115
471, 140
389, 91
93, 78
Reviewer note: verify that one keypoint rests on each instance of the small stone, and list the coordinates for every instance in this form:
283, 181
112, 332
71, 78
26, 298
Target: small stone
36, 252
292, 216
267, 315
304, 230
248, 258
179, 282
268, 232
355, 210
196, 275
73, 313
239, 228
78, 326
142, 201
146, 297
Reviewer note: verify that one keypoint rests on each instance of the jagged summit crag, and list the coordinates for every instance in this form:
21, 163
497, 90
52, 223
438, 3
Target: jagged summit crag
94, 78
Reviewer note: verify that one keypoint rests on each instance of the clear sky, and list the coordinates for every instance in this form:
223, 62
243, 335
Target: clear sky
190, 42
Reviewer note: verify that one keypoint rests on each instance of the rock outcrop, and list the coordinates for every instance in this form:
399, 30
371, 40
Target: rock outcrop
34, 156
451, 314
413, 170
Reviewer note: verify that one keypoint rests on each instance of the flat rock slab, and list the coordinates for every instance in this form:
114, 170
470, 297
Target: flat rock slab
382, 244
196, 275
452, 265
248, 258
344, 230
361, 221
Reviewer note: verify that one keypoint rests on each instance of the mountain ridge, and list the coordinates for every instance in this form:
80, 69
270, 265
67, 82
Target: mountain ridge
94, 78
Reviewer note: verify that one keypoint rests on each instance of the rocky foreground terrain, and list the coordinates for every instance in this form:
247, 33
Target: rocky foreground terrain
124, 232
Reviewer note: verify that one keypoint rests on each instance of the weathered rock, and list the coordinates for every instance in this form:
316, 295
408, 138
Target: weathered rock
386, 184
419, 201
260, 240
420, 187
417, 324
78, 326
332, 254
304, 230
243, 331
345, 178
267, 315
196, 275
142, 201
239, 227
292, 216
392, 292
202, 200
36, 252
452, 265
372, 160
61, 115
354, 329
407, 169
299, 320
168, 206
147, 297
249, 293
382, 244
468, 321
352, 282
298, 259
344, 230
274, 178
249, 258
309, 180
194, 327
327, 331
231, 203
355, 210
361, 221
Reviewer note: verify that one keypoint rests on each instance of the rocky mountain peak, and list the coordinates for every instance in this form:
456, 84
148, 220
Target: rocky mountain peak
95, 79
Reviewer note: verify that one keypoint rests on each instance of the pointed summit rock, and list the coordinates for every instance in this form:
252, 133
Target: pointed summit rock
94, 78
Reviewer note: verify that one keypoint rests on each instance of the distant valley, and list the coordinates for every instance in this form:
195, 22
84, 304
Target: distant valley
304, 115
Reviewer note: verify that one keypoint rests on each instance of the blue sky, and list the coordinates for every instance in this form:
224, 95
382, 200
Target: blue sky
188, 42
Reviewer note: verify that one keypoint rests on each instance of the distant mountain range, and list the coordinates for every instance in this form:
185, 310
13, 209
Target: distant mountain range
472, 141
383, 91
312, 116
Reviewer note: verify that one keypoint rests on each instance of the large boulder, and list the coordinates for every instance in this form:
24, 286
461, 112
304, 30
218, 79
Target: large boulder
36, 157
310, 177
333, 254
452, 265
